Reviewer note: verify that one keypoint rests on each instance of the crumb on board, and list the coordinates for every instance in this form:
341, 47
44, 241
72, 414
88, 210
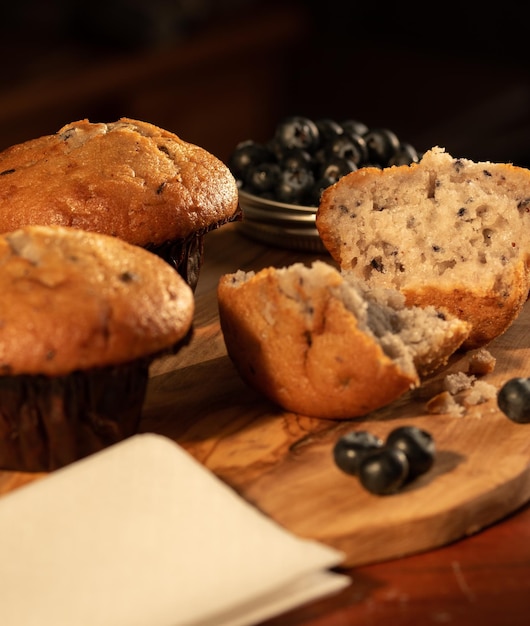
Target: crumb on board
462, 390
444, 403
481, 391
460, 381
481, 362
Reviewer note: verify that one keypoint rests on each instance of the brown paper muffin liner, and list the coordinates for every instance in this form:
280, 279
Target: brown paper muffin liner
186, 255
49, 422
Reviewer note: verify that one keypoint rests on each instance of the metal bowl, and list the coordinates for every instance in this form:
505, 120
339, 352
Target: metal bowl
279, 224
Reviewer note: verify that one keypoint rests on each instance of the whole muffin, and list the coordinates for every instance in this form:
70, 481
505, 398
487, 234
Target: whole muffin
129, 179
83, 317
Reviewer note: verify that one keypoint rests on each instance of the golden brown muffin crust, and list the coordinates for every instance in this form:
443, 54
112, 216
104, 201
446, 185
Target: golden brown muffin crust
307, 340
128, 178
73, 300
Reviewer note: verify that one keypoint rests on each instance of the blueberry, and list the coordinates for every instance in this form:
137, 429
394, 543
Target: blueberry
328, 129
297, 132
384, 471
382, 144
360, 145
328, 173
248, 154
346, 147
294, 185
351, 448
320, 157
418, 446
260, 179
294, 158
314, 194
336, 167
513, 400
405, 155
275, 148
306, 151
354, 127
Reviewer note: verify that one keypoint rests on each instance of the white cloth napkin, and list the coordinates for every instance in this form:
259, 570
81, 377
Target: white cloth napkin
141, 534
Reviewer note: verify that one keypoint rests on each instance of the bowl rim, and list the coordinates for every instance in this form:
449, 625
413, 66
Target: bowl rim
296, 208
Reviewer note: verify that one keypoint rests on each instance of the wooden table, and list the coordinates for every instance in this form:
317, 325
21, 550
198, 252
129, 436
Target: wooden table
482, 579
196, 398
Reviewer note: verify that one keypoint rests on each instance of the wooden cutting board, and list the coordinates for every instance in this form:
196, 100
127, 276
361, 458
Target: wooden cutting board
283, 464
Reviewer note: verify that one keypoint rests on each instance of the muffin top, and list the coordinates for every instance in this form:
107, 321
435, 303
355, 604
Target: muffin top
128, 178
74, 300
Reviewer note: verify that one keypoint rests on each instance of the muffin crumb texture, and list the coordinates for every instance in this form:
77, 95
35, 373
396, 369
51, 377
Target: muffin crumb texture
292, 333
443, 231
462, 390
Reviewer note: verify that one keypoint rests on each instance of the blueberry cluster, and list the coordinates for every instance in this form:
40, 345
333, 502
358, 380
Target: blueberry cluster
384, 467
306, 156
513, 400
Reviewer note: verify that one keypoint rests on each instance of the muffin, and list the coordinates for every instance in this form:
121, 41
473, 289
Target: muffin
318, 342
129, 179
445, 231
83, 317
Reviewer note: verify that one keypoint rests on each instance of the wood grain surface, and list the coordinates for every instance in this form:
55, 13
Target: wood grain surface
282, 462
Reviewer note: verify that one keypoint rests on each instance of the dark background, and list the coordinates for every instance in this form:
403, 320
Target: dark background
217, 72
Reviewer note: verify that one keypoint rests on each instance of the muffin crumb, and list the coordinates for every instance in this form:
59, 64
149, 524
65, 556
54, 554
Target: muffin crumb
481, 362
481, 391
460, 381
460, 392
444, 403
